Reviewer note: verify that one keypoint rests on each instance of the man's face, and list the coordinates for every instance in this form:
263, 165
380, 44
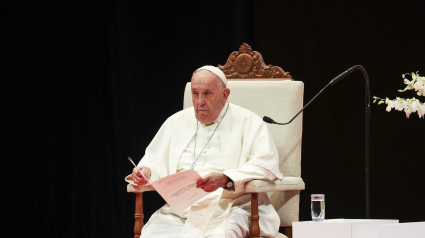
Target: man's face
208, 96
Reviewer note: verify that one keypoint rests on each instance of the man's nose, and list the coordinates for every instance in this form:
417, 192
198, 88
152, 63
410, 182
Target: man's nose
201, 100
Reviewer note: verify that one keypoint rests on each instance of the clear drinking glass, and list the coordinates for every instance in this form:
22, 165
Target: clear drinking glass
318, 207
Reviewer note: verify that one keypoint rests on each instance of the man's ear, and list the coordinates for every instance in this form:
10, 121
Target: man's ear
226, 93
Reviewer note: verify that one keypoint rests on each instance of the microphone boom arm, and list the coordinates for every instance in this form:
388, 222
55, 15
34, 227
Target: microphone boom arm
332, 82
367, 123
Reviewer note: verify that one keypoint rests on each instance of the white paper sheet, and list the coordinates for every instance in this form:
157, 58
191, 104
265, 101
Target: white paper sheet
179, 189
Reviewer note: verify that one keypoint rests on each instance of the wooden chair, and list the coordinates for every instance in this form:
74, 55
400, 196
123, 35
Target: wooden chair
268, 91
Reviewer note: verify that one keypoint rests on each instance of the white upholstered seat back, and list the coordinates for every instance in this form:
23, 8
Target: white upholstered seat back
280, 100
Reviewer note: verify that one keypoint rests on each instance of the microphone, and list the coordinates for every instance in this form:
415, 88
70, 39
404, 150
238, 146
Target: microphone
332, 82
269, 120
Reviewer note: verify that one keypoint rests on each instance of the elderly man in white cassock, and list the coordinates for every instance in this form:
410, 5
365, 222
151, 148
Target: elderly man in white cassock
228, 146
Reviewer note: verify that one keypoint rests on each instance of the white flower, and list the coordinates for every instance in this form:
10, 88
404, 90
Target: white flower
397, 105
404, 104
390, 105
419, 86
415, 105
421, 111
409, 105
408, 83
408, 112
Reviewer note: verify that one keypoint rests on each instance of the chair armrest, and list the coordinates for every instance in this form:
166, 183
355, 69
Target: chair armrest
138, 189
286, 183
253, 186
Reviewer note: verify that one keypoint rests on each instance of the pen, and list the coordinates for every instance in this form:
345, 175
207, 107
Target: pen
139, 170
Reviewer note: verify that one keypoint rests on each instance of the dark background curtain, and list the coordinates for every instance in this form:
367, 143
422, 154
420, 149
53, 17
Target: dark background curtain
86, 85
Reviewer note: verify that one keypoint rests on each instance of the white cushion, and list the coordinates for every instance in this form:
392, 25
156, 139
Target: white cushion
138, 189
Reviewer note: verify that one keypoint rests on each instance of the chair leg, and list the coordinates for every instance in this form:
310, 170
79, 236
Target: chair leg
288, 231
255, 227
138, 216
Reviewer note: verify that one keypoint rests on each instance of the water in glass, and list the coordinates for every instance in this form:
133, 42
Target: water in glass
318, 207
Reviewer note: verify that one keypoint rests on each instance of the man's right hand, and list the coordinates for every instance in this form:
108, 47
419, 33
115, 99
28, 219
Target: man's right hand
138, 178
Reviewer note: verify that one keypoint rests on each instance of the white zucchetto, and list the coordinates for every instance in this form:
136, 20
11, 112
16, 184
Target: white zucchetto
215, 71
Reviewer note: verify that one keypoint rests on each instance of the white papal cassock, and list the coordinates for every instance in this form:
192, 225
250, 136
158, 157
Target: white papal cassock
242, 148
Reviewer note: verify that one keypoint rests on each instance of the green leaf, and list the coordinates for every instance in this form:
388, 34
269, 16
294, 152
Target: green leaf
401, 90
374, 101
380, 102
403, 75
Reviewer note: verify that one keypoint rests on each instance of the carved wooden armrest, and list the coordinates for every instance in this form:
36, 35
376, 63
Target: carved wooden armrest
259, 186
138, 215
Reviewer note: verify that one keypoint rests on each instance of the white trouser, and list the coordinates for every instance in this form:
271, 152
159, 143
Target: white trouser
165, 224
170, 225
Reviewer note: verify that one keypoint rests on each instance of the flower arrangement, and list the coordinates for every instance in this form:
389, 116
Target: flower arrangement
409, 105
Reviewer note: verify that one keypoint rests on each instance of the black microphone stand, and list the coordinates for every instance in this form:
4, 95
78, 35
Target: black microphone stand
367, 122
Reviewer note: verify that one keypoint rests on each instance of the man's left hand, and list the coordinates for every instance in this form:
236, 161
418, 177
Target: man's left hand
212, 182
